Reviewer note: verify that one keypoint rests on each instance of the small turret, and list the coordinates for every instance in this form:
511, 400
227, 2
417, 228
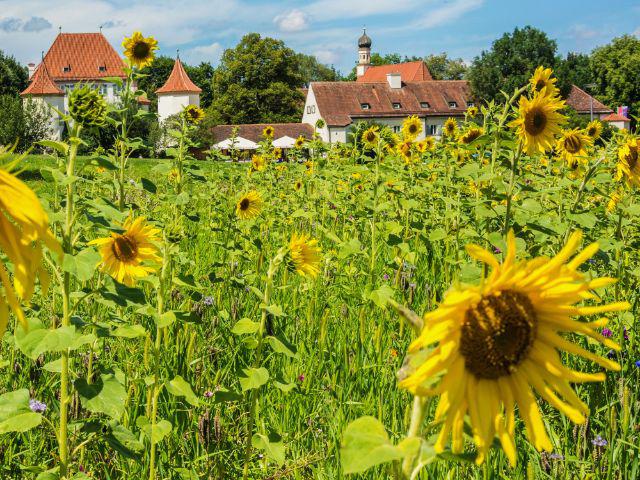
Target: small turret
364, 53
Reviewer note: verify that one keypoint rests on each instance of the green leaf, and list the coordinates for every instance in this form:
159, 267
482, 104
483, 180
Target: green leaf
275, 310
280, 345
106, 396
161, 429
437, 234
245, 327
365, 444
129, 331
180, 388
271, 445
348, 248
166, 319
81, 265
15, 414
253, 378
42, 340
126, 438
59, 147
148, 185
381, 296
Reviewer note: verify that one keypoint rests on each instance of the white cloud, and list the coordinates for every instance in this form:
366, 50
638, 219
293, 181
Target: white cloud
205, 53
582, 32
325, 10
292, 21
446, 13
328, 57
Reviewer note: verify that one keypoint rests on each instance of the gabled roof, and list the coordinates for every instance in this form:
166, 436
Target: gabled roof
614, 117
179, 81
409, 72
340, 103
41, 84
253, 131
82, 56
580, 101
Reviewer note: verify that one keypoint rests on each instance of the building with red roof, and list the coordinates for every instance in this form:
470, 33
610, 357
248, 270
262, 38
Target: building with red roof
177, 92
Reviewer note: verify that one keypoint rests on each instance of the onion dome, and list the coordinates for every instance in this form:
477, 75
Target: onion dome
364, 41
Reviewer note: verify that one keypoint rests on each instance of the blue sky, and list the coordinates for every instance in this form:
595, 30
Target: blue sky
202, 29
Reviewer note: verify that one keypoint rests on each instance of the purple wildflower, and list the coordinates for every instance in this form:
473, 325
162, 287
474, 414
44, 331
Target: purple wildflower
208, 394
556, 456
496, 250
37, 406
208, 301
625, 334
599, 441
606, 332
386, 276
301, 377
637, 363
611, 354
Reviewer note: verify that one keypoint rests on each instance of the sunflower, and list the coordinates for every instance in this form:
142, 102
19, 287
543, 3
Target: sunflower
297, 186
258, 163
123, 253
538, 122
615, 198
404, 148
422, 146
268, 131
277, 153
304, 255
249, 205
470, 135
24, 227
541, 81
299, 143
628, 162
140, 50
594, 129
411, 127
472, 111
173, 175
430, 142
193, 114
499, 340
370, 137
572, 145
450, 127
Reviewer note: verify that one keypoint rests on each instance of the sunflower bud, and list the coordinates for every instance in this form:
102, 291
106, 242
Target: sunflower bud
87, 107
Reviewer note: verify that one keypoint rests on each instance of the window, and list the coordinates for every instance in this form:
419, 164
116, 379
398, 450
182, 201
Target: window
433, 129
365, 106
66, 69
471, 104
311, 109
453, 105
397, 106
396, 129
424, 105
102, 68
103, 89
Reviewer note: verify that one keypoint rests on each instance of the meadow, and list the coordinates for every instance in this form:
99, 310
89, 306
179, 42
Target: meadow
272, 320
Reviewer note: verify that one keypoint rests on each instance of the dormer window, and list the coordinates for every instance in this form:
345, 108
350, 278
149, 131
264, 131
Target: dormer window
424, 105
471, 104
102, 68
453, 105
66, 69
397, 106
365, 106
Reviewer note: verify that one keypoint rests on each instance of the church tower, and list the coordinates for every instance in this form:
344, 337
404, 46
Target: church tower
364, 53
177, 92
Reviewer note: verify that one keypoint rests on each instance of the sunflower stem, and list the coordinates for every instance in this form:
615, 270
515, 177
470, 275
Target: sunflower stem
415, 424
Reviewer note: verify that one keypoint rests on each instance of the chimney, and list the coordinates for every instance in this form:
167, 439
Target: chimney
32, 68
394, 80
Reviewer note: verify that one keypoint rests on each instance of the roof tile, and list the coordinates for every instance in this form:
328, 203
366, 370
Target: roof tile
179, 81
41, 84
581, 102
409, 72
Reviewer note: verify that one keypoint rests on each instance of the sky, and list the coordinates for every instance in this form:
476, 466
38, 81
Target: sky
328, 29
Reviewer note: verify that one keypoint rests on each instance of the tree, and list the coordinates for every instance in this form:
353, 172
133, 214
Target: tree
575, 69
442, 67
13, 76
258, 81
23, 122
510, 63
615, 69
314, 71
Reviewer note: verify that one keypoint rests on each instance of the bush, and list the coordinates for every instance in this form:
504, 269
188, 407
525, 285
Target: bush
26, 122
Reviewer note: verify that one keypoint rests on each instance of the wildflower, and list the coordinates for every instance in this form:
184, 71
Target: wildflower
122, 255
541, 81
87, 106
268, 131
24, 228
140, 50
301, 377
304, 255
370, 137
249, 205
599, 441
411, 127
637, 363
393, 353
628, 167
37, 406
606, 333
193, 114
538, 122
450, 127
208, 300
385, 276
499, 339
594, 129
556, 456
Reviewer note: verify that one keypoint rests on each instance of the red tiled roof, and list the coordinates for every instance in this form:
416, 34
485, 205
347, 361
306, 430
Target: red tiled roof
614, 117
340, 103
581, 102
409, 72
82, 56
41, 84
253, 131
179, 81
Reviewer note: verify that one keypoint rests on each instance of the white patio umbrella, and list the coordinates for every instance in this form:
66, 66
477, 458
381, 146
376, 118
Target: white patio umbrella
284, 142
239, 143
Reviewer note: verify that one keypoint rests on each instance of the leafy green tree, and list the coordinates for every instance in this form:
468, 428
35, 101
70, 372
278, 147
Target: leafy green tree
575, 69
616, 67
314, 71
24, 122
511, 61
442, 67
13, 76
258, 81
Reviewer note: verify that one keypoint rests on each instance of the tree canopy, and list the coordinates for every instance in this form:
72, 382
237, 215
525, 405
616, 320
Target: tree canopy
615, 70
442, 67
13, 76
259, 80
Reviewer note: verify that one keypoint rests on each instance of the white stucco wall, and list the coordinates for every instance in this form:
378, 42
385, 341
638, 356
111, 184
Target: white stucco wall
172, 103
311, 114
52, 103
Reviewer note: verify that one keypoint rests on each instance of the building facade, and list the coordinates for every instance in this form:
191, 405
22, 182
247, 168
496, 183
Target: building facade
177, 92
